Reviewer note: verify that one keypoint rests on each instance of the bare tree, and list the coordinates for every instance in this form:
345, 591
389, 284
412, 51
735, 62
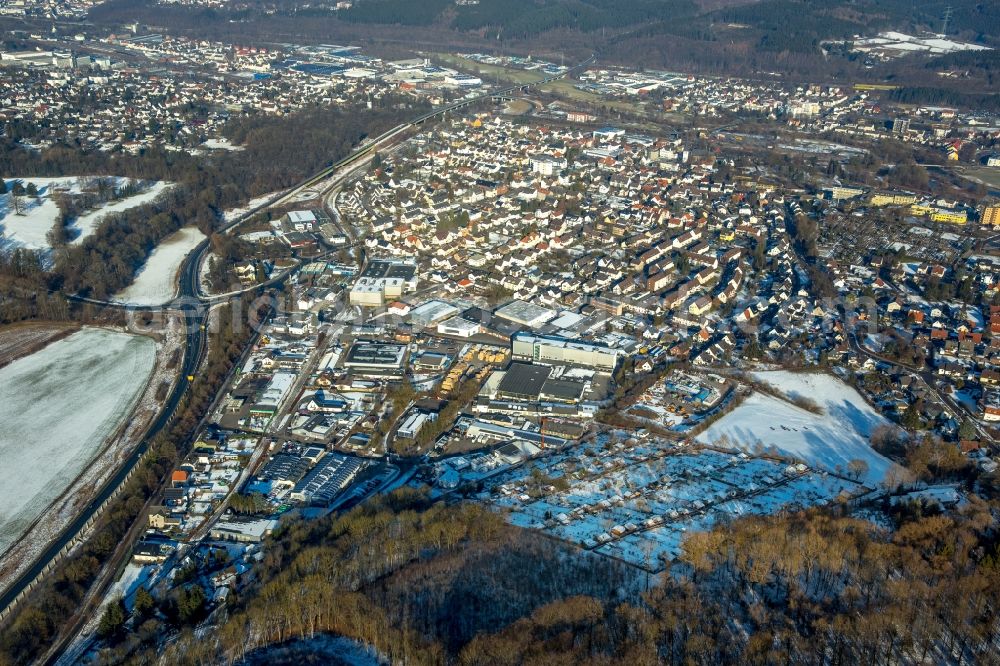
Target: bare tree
896, 477
857, 468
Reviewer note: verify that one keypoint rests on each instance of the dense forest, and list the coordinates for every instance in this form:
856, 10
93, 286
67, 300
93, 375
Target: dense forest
765, 38
278, 153
427, 583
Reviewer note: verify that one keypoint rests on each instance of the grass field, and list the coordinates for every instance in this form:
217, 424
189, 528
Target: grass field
989, 176
518, 107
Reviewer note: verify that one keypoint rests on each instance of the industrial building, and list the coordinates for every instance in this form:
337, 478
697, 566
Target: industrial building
459, 327
275, 393
431, 361
367, 356
539, 389
523, 381
414, 423
526, 314
431, 313
284, 469
384, 280
242, 530
551, 350
325, 481
393, 269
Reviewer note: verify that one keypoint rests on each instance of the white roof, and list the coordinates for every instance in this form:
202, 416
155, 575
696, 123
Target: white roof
301, 216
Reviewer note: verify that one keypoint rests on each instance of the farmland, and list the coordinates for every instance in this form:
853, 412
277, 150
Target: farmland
23, 339
59, 406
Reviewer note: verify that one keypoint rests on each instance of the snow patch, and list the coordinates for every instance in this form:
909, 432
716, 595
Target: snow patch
156, 281
30, 229
828, 441
221, 144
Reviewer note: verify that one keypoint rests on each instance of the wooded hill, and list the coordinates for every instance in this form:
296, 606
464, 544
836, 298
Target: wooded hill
727, 37
432, 584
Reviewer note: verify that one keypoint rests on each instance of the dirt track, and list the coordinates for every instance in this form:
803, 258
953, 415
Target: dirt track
20, 340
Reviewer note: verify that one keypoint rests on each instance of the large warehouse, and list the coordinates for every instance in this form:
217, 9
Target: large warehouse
431, 312
382, 280
561, 351
525, 314
378, 358
523, 381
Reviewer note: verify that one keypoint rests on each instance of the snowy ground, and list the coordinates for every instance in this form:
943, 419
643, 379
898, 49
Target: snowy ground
220, 144
58, 406
30, 229
86, 224
638, 504
232, 214
321, 648
156, 281
826, 441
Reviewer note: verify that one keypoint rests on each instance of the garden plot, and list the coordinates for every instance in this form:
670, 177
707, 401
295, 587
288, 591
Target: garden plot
156, 281
58, 406
30, 229
830, 440
637, 505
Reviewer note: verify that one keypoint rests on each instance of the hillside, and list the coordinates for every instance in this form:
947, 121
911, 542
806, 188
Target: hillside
423, 583
789, 38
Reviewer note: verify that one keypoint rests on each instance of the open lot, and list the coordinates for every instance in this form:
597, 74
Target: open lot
988, 176
828, 441
58, 406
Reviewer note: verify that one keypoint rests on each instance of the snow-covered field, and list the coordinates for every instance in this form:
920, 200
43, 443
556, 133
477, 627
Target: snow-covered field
221, 143
156, 281
827, 441
86, 224
57, 407
29, 230
233, 214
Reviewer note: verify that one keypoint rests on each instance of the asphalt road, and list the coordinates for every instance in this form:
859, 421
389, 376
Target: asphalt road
195, 346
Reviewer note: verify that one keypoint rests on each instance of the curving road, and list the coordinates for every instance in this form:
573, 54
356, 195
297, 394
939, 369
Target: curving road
194, 304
